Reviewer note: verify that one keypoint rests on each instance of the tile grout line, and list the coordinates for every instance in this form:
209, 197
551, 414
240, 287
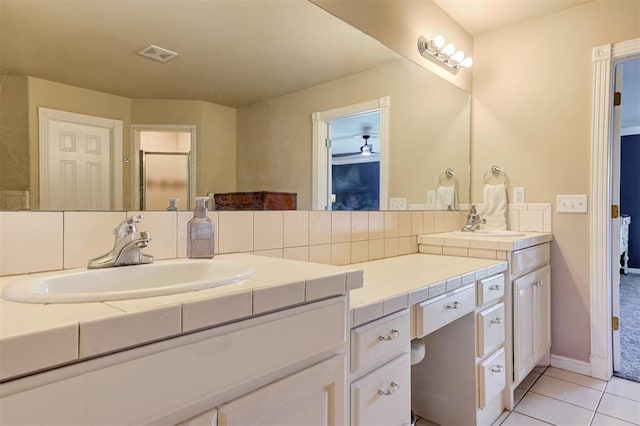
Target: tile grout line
593, 415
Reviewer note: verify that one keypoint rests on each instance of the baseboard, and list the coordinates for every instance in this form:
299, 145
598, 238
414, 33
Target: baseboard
570, 364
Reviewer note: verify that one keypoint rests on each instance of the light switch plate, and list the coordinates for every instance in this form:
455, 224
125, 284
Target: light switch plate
398, 204
571, 203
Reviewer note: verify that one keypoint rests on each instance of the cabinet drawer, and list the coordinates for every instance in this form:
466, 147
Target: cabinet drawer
490, 289
436, 313
529, 259
492, 377
383, 397
379, 341
491, 325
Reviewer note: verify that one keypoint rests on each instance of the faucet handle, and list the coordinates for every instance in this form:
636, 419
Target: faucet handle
127, 226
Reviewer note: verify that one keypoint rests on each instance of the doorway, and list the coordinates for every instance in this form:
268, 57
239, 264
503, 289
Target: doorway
79, 161
626, 279
350, 157
163, 175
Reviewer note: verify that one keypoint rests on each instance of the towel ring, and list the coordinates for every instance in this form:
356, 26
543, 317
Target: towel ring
497, 172
446, 175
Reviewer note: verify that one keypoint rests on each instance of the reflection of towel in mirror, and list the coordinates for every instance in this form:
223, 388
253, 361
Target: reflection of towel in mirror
446, 197
495, 206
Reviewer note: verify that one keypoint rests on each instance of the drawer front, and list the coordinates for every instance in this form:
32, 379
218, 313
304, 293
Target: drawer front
377, 342
529, 259
492, 377
436, 313
491, 326
490, 289
383, 397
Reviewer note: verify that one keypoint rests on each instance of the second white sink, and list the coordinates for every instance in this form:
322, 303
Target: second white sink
127, 282
490, 233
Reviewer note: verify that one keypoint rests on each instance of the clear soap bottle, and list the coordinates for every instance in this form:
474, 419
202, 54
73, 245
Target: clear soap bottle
200, 232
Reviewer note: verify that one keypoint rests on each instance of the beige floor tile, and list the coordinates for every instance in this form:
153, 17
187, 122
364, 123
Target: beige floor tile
578, 379
568, 392
529, 381
552, 410
517, 419
620, 408
602, 420
624, 388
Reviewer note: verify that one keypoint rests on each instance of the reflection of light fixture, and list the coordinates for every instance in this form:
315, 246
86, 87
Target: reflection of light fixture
366, 149
438, 51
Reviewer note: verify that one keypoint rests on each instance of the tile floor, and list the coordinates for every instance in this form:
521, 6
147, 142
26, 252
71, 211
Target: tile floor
559, 397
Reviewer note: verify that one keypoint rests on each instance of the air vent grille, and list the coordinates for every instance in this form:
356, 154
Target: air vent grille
157, 53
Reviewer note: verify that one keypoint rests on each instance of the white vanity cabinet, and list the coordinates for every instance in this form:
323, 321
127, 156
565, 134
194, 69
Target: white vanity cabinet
463, 378
287, 367
531, 281
381, 371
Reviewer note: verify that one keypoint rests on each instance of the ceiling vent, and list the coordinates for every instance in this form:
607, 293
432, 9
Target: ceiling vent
157, 53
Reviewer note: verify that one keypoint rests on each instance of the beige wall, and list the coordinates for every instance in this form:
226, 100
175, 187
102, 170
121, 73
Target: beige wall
49, 94
532, 88
428, 132
14, 134
398, 24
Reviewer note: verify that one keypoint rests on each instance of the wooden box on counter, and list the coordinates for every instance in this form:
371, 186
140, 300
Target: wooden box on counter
262, 200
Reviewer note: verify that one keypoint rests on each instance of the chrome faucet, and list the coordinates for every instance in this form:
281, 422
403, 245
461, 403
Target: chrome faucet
474, 220
126, 246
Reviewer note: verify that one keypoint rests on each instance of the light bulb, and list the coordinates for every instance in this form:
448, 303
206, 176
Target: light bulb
449, 49
458, 56
438, 42
467, 62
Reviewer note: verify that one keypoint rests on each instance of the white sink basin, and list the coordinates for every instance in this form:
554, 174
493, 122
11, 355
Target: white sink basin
489, 233
127, 282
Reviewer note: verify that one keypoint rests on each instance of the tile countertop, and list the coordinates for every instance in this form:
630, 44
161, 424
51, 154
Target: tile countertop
450, 239
34, 337
399, 282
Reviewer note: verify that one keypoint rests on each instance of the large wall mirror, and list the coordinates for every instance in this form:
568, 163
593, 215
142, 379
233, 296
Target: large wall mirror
238, 108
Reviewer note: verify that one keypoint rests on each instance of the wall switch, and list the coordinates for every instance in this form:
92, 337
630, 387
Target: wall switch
431, 196
518, 195
398, 204
571, 203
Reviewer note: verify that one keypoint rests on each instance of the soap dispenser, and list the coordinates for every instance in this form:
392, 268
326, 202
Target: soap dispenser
200, 232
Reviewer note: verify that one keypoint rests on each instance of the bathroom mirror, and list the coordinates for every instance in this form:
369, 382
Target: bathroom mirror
247, 79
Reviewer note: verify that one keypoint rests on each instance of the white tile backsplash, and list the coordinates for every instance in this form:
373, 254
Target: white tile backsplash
68, 240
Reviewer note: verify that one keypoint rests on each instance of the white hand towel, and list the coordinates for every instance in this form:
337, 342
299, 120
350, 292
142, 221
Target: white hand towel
445, 197
495, 206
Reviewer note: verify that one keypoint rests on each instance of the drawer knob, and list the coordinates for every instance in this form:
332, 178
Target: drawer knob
394, 333
497, 368
454, 305
496, 320
495, 287
393, 387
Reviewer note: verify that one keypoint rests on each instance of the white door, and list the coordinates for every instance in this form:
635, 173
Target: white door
79, 167
78, 161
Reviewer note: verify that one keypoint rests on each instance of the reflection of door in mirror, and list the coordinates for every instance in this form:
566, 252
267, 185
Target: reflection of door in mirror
163, 166
355, 162
350, 149
78, 161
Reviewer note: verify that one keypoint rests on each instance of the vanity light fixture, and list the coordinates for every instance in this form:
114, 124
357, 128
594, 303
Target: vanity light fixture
443, 53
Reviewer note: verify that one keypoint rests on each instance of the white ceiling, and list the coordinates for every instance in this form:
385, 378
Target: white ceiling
479, 16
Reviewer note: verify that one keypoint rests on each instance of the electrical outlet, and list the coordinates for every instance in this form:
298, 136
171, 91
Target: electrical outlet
398, 204
571, 203
518, 195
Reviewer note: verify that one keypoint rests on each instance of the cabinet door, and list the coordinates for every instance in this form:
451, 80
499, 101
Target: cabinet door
314, 396
531, 320
523, 326
542, 295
